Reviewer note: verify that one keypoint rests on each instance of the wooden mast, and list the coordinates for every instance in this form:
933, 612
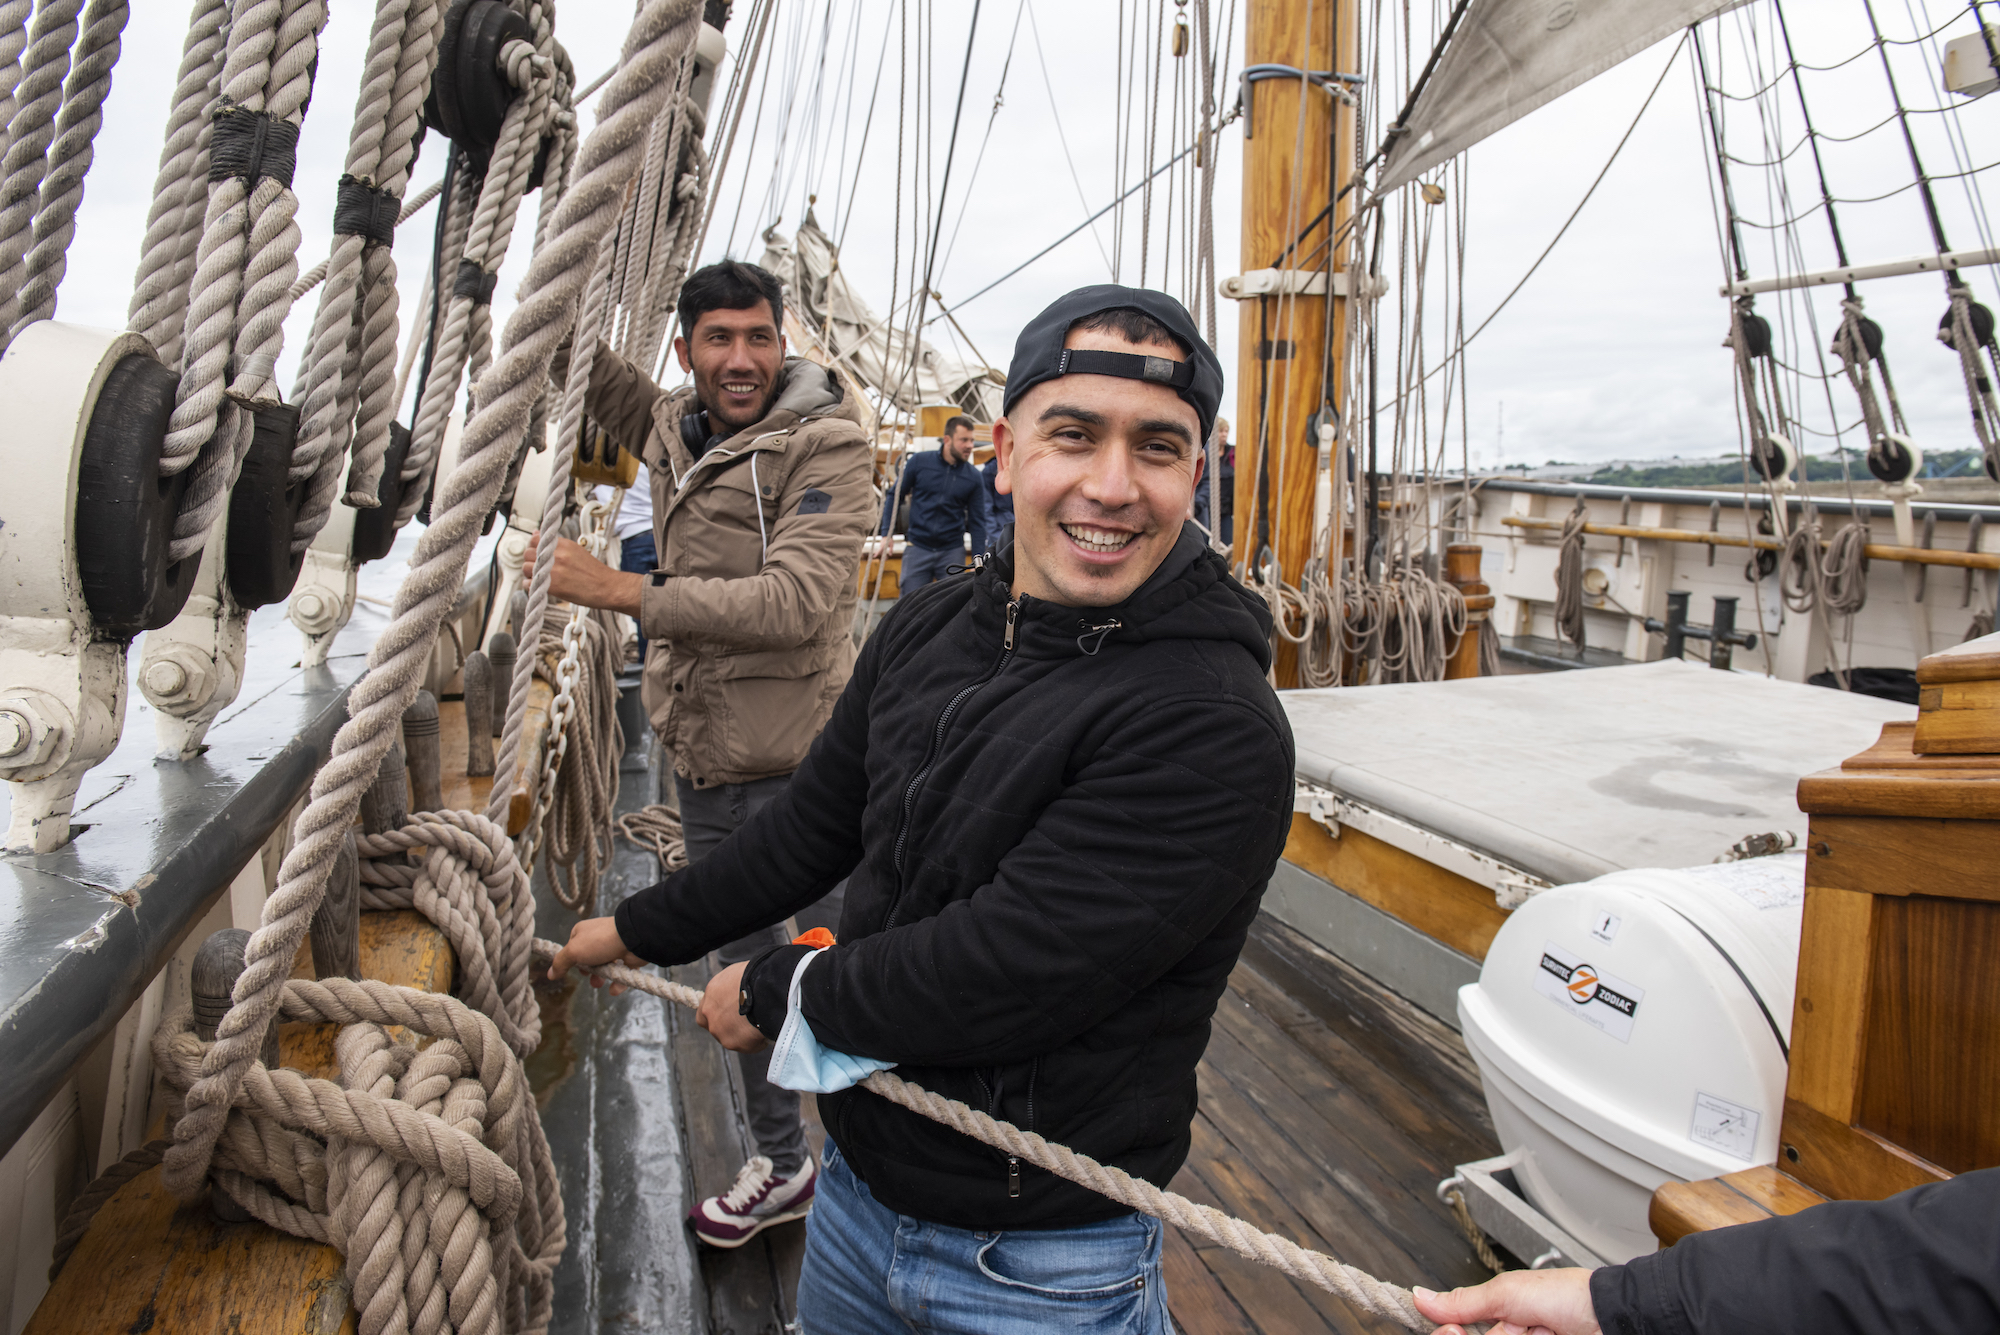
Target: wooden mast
1291, 168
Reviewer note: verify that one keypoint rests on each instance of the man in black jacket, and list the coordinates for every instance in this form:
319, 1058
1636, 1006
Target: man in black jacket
1924, 1262
1057, 786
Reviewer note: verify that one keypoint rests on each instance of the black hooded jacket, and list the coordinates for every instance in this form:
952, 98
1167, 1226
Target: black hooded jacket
1056, 825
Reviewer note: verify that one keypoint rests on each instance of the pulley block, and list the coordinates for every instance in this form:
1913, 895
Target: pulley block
375, 530
470, 93
600, 462
1773, 458
1894, 459
1982, 326
1757, 334
125, 510
263, 508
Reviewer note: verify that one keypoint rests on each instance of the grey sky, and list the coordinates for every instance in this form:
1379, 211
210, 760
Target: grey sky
1613, 350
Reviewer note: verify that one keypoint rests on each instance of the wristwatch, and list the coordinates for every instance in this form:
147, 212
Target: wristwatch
743, 1003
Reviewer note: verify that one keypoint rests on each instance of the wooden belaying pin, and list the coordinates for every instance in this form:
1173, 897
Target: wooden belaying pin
211, 981
335, 930
386, 804
501, 654
420, 737
478, 713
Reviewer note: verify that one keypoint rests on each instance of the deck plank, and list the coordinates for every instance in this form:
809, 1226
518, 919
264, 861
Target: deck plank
1448, 1139
1407, 1044
1345, 1153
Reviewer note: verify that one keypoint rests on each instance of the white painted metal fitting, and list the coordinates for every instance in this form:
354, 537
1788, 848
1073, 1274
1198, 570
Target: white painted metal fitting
32, 725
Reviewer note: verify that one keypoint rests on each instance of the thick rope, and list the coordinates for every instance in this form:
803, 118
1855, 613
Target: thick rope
69, 160
466, 312
402, 52
245, 266
1353, 1286
658, 39
31, 130
591, 326
173, 226
472, 886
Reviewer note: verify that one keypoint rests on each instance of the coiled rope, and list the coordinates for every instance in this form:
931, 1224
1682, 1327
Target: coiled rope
1352, 1285
1569, 577
575, 828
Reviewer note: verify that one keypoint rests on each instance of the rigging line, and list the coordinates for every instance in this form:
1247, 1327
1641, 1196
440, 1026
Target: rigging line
1400, 126
1909, 141
1055, 112
1153, 141
944, 185
732, 114
1954, 125
751, 72
1574, 213
844, 97
999, 99
1713, 119
1842, 64
1073, 231
860, 157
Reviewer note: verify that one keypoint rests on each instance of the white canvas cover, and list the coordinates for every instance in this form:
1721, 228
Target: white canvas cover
1509, 57
861, 341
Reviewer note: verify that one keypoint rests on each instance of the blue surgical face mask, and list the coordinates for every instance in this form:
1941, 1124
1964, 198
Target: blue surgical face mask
799, 1063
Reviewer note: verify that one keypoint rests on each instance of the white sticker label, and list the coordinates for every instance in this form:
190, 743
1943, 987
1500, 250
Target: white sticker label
1722, 1125
1605, 927
1599, 999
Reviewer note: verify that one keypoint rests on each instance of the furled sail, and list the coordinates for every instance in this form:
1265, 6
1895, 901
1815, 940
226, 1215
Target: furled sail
862, 342
1509, 57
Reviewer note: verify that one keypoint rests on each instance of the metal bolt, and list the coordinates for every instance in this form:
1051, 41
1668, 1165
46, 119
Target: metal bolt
16, 733
310, 604
165, 677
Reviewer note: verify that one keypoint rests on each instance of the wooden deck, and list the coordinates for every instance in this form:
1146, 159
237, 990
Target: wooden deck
1330, 1110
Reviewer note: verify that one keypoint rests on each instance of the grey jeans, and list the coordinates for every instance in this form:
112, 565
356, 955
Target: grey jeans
708, 816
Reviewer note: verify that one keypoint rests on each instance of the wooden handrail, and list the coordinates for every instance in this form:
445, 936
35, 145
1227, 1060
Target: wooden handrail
1876, 551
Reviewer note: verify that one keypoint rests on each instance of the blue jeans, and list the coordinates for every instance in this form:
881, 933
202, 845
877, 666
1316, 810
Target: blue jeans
927, 565
869, 1269
636, 556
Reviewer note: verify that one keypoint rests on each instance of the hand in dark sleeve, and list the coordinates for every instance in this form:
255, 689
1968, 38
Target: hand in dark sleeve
1124, 874
1924, 1260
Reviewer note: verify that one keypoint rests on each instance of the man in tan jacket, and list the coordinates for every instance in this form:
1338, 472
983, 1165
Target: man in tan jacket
761, 494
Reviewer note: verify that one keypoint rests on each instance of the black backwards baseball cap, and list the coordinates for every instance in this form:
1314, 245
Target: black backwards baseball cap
1039, 353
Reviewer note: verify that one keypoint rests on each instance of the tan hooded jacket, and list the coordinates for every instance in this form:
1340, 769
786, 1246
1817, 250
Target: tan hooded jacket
751, 609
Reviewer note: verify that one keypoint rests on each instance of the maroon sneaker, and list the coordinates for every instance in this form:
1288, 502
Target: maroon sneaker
759, 1199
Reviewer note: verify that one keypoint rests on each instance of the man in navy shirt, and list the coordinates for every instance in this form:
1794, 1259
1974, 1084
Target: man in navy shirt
947, 501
